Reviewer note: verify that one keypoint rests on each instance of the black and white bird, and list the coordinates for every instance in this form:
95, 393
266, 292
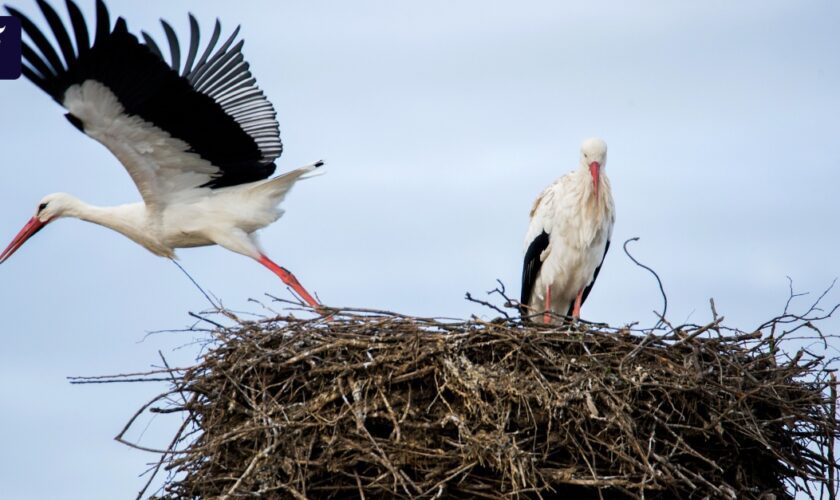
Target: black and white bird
197, 135
568, 237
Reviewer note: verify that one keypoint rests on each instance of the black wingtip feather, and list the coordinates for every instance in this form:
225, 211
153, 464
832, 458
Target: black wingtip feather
174, 46
103, 22
79, 27
121, 26
195, 37
214, 38
59, 31
150, 43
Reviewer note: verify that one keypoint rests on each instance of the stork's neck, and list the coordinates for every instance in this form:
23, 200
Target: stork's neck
598, 208
125, 219
130, 220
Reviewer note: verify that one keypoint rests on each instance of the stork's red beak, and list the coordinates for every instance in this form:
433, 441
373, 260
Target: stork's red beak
595, 170
33, 226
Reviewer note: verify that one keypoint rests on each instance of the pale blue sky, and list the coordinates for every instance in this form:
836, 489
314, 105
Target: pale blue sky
440, 122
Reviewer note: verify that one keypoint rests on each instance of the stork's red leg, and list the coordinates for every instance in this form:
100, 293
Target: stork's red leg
578, 301
547, 314
289, 279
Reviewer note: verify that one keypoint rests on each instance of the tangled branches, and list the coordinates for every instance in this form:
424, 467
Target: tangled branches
373, 404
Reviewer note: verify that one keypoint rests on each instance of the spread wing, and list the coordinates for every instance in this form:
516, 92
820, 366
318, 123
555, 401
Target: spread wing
174, 127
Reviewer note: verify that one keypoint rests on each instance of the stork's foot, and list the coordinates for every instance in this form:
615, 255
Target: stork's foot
290, 280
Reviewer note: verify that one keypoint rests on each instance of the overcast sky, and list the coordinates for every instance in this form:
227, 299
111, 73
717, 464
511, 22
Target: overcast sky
440, 122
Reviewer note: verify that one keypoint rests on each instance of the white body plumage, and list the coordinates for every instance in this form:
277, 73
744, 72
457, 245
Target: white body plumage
227, 217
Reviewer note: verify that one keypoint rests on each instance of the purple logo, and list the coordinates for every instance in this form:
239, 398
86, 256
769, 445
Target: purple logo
9, 48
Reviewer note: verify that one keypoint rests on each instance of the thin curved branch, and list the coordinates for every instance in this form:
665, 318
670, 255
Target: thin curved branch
658, 281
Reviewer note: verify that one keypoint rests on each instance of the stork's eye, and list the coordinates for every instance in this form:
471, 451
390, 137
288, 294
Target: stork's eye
41, 207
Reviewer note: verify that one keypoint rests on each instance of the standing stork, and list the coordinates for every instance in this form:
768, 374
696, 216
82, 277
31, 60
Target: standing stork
199, 139
568, 237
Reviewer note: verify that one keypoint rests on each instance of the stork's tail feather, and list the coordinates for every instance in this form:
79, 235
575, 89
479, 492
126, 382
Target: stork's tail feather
277, 187
312, 167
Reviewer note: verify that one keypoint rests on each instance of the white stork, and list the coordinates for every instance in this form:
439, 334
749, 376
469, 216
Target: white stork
199, 139
568, 237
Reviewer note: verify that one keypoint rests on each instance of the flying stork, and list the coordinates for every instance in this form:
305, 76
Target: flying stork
568, 237
198, 137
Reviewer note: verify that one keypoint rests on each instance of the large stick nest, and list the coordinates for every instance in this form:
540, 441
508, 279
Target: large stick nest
374, 404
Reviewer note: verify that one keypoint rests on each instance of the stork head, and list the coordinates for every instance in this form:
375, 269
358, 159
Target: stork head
50, 208
593, 156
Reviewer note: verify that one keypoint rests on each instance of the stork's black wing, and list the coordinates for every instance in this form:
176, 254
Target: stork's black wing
531, 269
211, 103
591, 283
